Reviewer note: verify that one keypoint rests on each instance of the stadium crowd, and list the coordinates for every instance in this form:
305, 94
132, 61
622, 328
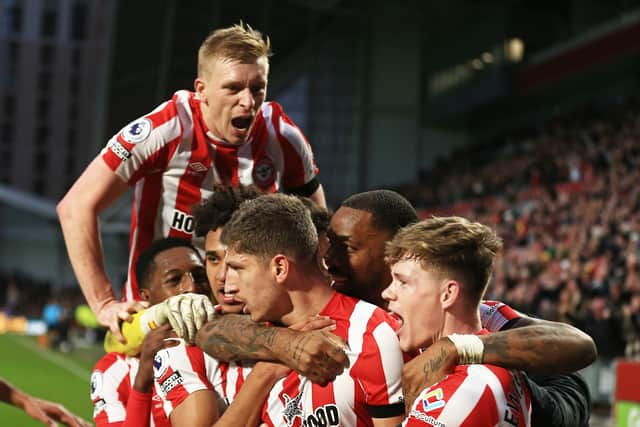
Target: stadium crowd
566, 200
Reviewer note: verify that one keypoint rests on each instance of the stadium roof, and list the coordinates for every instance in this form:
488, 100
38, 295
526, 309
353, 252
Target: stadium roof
112, 220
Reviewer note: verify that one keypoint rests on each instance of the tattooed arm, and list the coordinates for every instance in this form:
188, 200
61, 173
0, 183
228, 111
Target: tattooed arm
316, 354
543, 347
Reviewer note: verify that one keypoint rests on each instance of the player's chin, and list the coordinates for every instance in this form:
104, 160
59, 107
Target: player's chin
232, 308
406, 343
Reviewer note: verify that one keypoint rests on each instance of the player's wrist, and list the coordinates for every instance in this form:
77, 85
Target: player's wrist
469, 348
280, 344
99, 302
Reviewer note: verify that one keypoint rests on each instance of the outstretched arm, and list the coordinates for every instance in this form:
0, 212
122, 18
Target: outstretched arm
543, 347
318, 354
539, 346
39, 409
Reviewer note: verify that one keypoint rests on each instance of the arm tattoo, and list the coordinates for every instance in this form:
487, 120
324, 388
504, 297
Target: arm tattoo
235, 337
436, 363
541, 348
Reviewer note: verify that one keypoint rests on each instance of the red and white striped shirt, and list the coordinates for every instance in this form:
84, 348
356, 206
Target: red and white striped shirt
111, 387
495, 314
474, 395
182, 370
174, 161
373, 378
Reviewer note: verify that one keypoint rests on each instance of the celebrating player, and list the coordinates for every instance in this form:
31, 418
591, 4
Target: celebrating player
224, 132
440, 269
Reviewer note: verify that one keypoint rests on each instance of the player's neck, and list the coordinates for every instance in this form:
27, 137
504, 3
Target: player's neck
308, 298
461, 322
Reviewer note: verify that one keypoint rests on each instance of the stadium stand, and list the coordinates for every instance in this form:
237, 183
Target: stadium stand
566, 200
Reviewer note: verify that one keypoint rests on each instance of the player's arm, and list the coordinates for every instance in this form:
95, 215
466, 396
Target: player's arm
540, 346
139, 403
387, 422
182, 380
199, 409
39, 409
318, 196
246, 408
318, 355
186, 313
97, 188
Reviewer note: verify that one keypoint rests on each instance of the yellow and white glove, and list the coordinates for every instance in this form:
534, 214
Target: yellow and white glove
186, 313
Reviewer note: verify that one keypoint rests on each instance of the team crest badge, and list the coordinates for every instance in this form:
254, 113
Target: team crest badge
137, 131
264, 172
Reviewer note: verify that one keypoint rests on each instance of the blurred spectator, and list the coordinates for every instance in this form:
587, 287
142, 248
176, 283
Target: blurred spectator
566, 200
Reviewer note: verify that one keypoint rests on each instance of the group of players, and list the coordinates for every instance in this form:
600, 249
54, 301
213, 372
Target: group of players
321, 346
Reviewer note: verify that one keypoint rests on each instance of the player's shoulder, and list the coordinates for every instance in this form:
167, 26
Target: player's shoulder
269, 108
109, 360
494, 315
181, 357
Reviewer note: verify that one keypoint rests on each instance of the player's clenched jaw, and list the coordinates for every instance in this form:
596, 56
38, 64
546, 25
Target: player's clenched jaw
231, 93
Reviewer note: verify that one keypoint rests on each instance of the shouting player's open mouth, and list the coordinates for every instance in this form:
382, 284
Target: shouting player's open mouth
242, 124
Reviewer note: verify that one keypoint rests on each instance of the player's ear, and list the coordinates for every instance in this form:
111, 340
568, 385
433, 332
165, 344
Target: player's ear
450, 293
280, 267
199, 86
144, 294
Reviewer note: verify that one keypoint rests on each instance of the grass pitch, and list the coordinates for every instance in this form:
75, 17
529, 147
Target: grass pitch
48, 374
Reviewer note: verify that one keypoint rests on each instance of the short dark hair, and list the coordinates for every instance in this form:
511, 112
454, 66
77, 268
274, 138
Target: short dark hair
216, 211
320, 216
389, 210
145, 262
272, 224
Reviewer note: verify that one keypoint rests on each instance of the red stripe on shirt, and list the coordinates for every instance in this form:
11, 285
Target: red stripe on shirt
293, 176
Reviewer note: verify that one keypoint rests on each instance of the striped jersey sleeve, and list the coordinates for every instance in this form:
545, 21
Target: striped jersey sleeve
297, 156
111, 382
145, 145
184, 369
473, 395
495, 314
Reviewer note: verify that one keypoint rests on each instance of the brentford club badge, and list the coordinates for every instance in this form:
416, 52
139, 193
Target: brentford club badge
264, 173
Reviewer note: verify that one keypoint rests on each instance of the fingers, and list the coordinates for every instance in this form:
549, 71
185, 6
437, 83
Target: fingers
187, 310
314, 323
139, 305
187, 313
114, 328
176, 322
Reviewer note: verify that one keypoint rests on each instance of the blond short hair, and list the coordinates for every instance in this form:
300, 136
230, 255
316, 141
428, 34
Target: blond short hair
239, 42
453, 247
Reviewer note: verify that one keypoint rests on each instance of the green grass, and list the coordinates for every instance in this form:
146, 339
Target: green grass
45, 373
